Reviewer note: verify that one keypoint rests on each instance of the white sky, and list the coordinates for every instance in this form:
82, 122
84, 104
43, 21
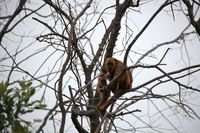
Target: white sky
163, 28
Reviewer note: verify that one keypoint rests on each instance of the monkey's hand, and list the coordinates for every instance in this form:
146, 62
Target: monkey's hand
107, 75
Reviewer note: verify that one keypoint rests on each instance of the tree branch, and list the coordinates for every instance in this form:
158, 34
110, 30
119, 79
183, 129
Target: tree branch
16, 12
196, 24
145, 27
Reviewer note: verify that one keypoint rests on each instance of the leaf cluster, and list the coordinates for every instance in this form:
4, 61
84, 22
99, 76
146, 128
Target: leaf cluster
14, 102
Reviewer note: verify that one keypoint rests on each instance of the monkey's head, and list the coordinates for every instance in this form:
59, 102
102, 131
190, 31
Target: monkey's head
110, 66
102, 80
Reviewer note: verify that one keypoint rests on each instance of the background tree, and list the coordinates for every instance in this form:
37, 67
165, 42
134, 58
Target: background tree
60, 46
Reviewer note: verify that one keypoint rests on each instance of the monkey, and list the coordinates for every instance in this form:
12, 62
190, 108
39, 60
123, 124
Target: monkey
111, 69
103, 91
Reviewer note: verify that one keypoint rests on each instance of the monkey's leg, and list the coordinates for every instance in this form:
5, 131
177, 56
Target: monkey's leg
118, 93
103, 100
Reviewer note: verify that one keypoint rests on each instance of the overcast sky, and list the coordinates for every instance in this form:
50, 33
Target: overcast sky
163, 28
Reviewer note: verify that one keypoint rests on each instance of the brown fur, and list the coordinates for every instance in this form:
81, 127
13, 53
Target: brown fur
103, 92
113, 68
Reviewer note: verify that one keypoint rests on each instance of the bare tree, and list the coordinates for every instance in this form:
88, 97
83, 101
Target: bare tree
65, 55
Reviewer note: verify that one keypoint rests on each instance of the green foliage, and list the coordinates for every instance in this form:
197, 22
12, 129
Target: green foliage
15, 102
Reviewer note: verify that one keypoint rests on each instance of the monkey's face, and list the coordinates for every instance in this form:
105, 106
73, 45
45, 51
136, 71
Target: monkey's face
110, 67
102, 80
